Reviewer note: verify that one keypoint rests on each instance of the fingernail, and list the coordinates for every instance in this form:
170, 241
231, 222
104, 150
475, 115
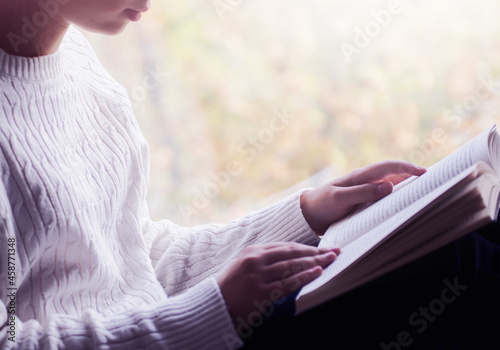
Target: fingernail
326, 250
330, 255
384, 188
316, 271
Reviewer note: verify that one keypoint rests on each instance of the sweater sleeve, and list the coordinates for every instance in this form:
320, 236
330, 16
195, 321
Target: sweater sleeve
195, 319
183, 257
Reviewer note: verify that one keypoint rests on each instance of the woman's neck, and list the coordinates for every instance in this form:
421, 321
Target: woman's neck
27, 29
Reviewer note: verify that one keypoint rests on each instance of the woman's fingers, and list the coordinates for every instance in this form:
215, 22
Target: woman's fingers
285, 269
281, 251
262, 272
392, 170
294, 282
350, 196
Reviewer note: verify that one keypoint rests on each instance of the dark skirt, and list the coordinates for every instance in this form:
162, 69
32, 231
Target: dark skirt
449, 299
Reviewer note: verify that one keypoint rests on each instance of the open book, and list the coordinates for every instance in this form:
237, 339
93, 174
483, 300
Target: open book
455, 196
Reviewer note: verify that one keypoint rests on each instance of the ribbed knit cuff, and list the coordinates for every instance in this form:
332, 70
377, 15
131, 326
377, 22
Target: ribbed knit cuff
284, 221
195, 319
310, 236
198, 319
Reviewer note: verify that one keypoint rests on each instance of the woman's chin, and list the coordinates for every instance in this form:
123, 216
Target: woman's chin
110, 28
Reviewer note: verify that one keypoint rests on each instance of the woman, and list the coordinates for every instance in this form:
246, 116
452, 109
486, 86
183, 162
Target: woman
82, 264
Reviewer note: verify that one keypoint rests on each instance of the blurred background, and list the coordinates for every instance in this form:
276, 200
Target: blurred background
243, 102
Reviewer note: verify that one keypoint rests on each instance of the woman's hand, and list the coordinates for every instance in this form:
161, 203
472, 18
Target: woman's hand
332, 201
265, 273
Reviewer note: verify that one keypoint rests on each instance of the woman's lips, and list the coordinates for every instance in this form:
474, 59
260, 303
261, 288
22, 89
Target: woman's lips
133, 15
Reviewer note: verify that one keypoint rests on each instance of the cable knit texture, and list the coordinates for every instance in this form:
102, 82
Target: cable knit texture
92, 270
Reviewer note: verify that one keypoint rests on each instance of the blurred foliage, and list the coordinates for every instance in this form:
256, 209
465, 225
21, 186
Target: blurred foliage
205, 86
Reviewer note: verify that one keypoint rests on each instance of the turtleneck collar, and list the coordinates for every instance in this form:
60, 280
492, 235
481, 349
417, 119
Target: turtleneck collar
31, 68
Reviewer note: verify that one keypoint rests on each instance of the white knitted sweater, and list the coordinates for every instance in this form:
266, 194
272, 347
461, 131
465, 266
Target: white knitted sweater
91, 269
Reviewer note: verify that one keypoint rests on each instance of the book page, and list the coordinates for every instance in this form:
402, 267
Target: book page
409, 244
494, 152
355, 250
370, 215
381, 264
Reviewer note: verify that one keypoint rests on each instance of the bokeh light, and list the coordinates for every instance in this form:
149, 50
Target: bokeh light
207, 87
